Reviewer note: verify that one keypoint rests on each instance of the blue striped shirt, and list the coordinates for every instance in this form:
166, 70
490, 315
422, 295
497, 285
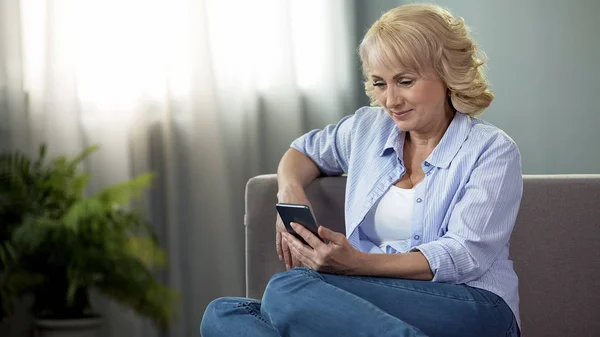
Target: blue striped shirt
465, 208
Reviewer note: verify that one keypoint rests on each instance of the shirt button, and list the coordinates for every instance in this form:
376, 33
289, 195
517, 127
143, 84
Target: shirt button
427, 164
417, 237
419, 200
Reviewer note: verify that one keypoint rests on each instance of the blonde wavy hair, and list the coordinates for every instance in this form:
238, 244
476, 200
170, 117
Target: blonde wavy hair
422, 37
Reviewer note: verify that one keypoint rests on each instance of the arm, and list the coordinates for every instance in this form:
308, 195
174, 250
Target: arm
412, 266
319, 151
295, 172
479, 227
482, 220
340, 257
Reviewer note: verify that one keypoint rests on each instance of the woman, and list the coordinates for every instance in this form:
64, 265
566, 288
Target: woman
431, 200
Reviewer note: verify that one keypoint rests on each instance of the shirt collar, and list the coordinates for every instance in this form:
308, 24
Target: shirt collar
394, 141
445, 151
452, 141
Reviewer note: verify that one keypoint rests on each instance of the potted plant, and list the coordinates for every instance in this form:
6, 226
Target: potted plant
57, 245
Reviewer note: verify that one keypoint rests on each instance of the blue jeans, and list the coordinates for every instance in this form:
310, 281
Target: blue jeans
303, 302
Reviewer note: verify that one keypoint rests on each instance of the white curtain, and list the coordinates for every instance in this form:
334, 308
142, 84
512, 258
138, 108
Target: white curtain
206, 93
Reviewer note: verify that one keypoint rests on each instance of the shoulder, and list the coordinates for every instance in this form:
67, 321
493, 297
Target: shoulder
370, 114
372, 119
487, 135
371, 129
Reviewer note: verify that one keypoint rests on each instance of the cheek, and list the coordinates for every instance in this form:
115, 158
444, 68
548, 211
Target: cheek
417, 96
379, 96
425, 98
428, 94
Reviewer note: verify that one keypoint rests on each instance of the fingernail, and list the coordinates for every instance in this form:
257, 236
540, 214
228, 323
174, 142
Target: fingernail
287, 266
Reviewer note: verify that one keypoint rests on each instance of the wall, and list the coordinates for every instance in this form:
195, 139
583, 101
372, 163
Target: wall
543, 66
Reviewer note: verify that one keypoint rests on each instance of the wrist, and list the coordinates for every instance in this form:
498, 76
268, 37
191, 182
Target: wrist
362, 263
288, 191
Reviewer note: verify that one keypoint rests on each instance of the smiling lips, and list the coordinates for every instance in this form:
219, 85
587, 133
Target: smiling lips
400, 114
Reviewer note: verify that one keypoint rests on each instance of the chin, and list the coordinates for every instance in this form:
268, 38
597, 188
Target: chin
403, 125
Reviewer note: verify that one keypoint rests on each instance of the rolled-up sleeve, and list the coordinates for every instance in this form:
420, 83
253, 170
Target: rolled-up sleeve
329, 148
482, 220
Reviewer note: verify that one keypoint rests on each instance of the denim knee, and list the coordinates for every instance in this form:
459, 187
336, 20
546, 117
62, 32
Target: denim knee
283, 298
290, 280
211, 316
219, 311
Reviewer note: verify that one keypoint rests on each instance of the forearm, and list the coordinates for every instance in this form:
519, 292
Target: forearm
413, 266
295, 171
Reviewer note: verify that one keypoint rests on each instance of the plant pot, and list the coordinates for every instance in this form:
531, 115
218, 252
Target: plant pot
81, 327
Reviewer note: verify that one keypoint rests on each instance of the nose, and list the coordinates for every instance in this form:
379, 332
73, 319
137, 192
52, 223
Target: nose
393, 97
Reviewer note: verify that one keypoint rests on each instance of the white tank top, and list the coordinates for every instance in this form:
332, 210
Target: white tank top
391, 220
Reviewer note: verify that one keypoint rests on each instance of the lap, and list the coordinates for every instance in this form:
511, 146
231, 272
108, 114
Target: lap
426, 293
436, 308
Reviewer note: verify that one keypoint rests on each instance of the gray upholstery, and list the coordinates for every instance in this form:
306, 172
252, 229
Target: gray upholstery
555, 246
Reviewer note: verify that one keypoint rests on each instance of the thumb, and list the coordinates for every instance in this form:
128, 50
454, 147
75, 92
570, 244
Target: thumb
328, 234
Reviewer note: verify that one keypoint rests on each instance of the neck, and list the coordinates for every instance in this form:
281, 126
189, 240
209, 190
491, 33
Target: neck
429, 138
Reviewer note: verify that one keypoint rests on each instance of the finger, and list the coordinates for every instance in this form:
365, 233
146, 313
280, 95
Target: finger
295, 261
287, 241
300, 251
307, 235
278, 245
335, 237
301, 259
287, 255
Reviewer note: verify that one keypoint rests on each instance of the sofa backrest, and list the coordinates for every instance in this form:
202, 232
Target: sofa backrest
555, 246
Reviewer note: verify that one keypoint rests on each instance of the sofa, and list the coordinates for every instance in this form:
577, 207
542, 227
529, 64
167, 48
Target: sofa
555, 246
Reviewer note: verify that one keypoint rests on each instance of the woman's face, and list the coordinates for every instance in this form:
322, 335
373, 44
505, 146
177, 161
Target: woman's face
415, 102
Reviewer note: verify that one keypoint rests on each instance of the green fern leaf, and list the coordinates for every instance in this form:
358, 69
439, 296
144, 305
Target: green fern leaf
72, 164
123, 193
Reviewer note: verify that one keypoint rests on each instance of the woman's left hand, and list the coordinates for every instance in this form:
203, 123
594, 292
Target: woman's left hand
336, 257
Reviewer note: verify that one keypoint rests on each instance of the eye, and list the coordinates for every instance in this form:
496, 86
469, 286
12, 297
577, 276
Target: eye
405, 82
378, 83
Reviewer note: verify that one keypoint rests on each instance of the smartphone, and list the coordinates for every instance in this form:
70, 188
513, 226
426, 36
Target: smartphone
300, 214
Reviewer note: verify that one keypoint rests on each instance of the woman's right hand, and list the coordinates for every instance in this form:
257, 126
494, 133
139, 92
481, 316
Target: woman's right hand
289, 196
